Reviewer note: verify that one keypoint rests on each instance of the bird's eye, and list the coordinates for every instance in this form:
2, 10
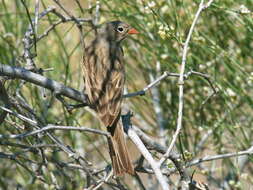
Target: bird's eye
120, 29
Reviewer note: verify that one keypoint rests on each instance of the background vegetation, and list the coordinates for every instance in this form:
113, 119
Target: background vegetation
221, 46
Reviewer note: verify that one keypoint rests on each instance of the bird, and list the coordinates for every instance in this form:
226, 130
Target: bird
104, 77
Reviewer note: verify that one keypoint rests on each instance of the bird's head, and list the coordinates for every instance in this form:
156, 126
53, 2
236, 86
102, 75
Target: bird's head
117, 31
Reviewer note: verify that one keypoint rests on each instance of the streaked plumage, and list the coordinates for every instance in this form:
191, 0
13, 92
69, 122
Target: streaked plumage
104, 81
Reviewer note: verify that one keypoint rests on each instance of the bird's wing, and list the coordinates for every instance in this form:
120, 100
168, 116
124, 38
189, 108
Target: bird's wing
104, 80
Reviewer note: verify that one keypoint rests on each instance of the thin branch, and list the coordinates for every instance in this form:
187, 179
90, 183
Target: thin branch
37, 5
155, 82
28, 42
77, 21
207, 78
80, 6
67, 149
51, 27
53, 127
181, 84
155, 166
32, 30
60, 21
149, 142
168, 74
5, 99
63, 19
101, 182
63, 8
249, 151
208, 4
24, 146
20, 116
30, 65
97, 12
165, 172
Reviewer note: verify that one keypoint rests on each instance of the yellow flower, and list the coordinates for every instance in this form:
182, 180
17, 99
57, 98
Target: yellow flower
162, 34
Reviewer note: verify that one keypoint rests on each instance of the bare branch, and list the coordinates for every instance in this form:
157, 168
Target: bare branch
141, 147
53, 127
181, 83
60, 21
97, 13
153, 145
5, 98
30, 65
80, 6
28, 42
168, 74
77, 21
58, 88
36, 19
249, 151
155, 82
23, 118
100, 182
207, 78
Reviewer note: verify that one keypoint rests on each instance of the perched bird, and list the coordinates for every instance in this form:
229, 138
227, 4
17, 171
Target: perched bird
104, 76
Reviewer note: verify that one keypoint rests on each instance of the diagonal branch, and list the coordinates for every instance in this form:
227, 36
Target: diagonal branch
141, 147
56, 87
155, 82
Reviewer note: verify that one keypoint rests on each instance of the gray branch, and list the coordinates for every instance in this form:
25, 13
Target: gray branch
56, 87
146, 154
53, 127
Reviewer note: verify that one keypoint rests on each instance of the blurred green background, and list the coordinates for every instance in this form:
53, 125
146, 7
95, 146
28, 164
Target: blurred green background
221, 46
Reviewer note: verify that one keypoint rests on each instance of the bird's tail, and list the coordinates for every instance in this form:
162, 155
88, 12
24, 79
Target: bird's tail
121, 161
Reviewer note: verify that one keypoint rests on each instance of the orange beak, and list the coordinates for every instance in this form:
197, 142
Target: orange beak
133, 31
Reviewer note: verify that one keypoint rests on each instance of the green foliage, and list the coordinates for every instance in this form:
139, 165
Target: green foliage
221, 46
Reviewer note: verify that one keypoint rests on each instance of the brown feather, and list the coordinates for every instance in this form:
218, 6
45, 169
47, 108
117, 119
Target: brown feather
104, 81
